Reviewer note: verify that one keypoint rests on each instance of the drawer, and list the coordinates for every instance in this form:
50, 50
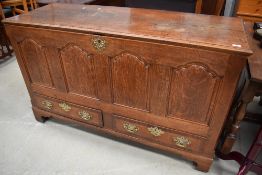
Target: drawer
254, 10
157, 134
244, 3
76, 112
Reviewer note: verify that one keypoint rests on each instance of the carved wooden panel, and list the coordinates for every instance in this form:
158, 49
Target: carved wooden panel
160, 78
35, 62
103, 77
187, 91
54, 62
192, 93
79, 70
130, 81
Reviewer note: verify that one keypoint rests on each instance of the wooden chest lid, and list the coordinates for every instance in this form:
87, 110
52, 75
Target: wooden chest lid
192, 30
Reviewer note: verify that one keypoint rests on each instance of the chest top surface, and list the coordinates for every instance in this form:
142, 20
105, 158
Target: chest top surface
186, 29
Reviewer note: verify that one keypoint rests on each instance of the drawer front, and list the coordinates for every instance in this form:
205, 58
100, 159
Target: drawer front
250, 10
250, 7
83, 114
157, 134
244, 3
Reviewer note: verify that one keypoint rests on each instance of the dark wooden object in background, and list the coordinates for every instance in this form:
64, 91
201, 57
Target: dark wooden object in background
5, 49
2, 15
142, 75
86, 2
193, 6
46, 2
253, 87
213, 7
247, 163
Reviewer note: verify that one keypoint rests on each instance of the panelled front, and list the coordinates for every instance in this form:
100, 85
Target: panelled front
167, 81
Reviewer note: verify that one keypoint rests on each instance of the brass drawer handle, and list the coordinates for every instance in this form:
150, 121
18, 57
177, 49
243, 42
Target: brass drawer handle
85, 115
155, 131
99, 44
182, 141
47, 104
65, 107
130, 127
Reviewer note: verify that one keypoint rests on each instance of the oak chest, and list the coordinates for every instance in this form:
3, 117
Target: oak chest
163, 79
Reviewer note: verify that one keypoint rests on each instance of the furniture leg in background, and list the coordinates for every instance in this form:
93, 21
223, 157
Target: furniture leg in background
219, 7
2, 15
13, 4
5, 49
198, 7
249, 93
247, 163
252, 88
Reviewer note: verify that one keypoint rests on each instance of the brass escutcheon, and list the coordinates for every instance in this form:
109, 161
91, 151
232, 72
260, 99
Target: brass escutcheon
99, 44
85, 115
155, 131
130, 127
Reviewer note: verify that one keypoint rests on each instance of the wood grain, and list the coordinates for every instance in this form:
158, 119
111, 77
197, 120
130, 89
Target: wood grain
35, 62
193, 85
80, 80
161, 26
130, 81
